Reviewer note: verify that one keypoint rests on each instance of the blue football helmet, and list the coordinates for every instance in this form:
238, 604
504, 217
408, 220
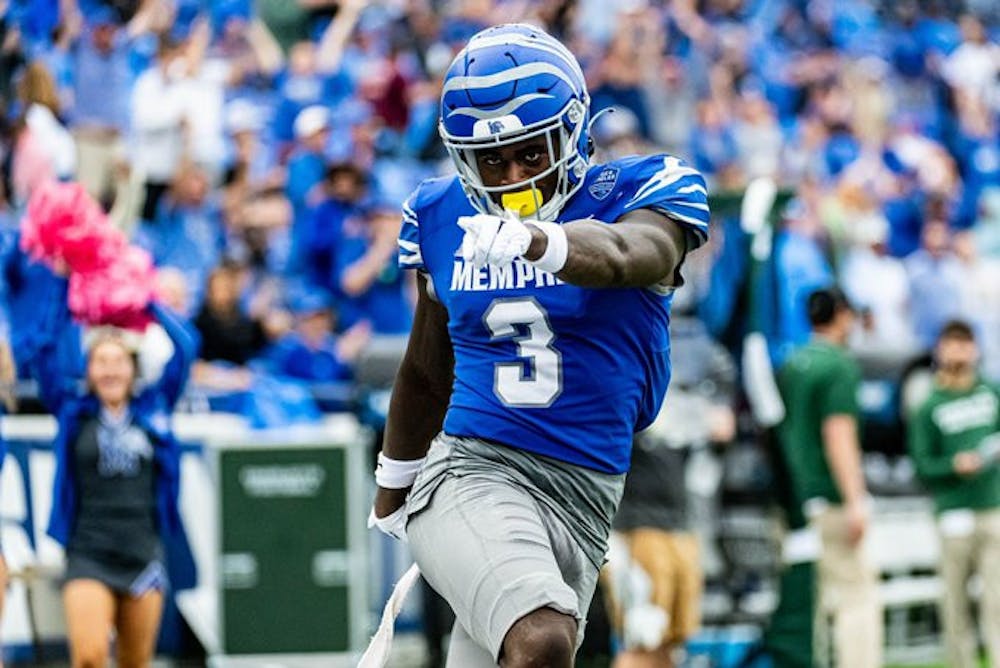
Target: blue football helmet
511, 83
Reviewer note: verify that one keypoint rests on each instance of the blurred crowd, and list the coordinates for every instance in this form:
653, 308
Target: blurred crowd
260, 151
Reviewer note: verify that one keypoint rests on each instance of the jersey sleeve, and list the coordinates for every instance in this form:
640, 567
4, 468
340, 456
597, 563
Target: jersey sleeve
672, 187
840, 395
409, 237
923, 439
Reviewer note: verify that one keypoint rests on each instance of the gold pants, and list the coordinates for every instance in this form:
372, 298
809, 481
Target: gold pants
672, 562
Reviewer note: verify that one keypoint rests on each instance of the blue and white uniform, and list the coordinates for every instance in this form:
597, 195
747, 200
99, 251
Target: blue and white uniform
555, 369
511, 510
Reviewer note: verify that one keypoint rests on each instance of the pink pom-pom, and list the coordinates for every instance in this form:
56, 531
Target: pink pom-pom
116, 294
63, 223
91, 249
111, 282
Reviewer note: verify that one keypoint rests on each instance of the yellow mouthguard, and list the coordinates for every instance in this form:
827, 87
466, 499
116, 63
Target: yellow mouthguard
522, 202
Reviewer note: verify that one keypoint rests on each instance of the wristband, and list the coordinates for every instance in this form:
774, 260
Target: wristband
556, 250
396, 473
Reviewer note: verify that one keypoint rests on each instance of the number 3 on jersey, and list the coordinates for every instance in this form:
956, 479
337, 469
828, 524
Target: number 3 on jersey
527, 323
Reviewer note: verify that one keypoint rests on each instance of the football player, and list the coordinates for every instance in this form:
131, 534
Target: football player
540, 345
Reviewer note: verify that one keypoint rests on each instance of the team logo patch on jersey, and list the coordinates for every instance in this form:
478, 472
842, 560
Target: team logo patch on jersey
604, 183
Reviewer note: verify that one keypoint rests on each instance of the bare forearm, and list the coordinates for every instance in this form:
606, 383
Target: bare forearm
416, 413
266, 49
843, 455
360, 276
422, 389
617, 256
142, 20
335, 38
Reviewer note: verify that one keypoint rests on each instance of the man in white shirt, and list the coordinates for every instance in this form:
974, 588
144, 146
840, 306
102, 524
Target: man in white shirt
159, 121
973, 67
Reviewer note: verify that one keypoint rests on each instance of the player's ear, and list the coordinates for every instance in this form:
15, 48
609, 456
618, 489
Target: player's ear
590, 146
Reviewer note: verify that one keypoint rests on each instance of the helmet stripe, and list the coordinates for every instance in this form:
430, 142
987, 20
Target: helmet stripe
507, 76
512, 105
549, 46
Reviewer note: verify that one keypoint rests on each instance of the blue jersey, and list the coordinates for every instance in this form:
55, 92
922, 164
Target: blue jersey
541, 365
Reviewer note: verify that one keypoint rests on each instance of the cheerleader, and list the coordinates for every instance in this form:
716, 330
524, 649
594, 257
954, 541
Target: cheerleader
115, 497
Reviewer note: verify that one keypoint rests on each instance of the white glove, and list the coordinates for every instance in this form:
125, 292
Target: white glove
644, 626
493, 240
393, 524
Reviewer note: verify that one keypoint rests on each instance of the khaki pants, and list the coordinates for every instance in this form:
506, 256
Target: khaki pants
848, 594
961, 555
103, 171
671, 560
96, 154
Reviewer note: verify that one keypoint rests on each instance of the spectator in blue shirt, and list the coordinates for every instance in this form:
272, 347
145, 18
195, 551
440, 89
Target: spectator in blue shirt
314, 75
102, 69
312, 352
713, 146
936, 278
36, 19
977, 150
320, 234
366, 272
187, 231
102, 55
799, 267
307, 165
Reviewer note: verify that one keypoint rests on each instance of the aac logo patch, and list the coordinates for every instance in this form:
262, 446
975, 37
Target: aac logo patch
604, 183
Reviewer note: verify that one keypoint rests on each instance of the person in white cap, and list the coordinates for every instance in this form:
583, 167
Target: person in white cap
307, 166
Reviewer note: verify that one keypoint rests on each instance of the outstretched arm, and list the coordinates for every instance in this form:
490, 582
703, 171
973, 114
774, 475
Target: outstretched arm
151, 16
421, 393
334, 40
70, 24
198, 42
266, 49
642, 248
175, 374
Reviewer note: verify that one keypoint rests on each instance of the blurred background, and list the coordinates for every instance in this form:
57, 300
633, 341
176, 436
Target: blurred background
260, 150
